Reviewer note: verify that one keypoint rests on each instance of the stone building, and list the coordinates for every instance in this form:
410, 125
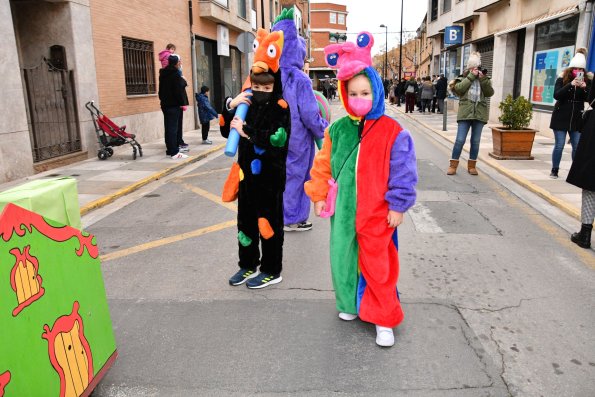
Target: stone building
533, 40
328, 25
59, 54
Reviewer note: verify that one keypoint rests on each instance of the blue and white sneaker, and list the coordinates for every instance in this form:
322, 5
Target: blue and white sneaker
242, 276
264, 280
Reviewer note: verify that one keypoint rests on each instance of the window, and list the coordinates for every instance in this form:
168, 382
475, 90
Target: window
468, 30
222, 2
333, 17
446, 4
139, 66
434, 10
242, 8
554, 48
341, 19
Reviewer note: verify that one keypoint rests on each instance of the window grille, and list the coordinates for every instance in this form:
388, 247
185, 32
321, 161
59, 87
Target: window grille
139, 66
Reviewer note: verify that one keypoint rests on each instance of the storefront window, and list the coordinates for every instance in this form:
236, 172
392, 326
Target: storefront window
232, 76
554, 48
204, 63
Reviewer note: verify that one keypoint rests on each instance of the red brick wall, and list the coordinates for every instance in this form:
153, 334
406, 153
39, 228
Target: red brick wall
159, 21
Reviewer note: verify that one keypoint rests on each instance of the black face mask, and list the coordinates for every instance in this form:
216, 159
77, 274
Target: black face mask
261, 97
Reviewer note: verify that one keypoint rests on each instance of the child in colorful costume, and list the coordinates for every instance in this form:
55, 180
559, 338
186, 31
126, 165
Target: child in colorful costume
306, 123
372, 158
259, 175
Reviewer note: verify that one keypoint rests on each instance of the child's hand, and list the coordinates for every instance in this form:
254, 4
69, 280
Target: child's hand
394, 218
319, 206
238, 124
243, 97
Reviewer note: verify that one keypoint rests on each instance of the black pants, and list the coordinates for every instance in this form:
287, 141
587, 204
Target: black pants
172, 121
434, 100
180, 130
409, 102
205, 130
254, 203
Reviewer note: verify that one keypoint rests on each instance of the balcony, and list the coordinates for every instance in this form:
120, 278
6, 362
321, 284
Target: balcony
486, 5
216, 11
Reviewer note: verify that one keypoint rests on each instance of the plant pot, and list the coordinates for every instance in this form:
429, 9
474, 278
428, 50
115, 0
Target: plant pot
512, 144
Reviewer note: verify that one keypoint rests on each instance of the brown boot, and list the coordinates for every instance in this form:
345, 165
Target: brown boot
471, 167
452, 169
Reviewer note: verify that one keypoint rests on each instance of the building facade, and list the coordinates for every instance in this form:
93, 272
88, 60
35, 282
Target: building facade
328, 25
68, 52
533, 40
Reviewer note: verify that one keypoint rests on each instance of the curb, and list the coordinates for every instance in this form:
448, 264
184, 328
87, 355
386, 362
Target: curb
544, 194
93, 205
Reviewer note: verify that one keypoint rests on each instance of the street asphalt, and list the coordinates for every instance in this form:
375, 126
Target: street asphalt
497, 300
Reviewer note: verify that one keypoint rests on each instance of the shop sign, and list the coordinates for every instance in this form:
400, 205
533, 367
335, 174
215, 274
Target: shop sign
222, 40
453, 35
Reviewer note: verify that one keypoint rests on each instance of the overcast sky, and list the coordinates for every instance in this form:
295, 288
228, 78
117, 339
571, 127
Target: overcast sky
370, 14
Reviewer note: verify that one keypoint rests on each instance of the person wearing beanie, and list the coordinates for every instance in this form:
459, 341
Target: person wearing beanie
206, 113
172, 96
472, 88
570, 92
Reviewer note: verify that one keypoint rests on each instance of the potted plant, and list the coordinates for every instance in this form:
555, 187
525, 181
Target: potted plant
513, 140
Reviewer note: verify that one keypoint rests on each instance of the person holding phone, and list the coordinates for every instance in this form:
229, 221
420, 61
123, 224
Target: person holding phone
472, 87
570, 92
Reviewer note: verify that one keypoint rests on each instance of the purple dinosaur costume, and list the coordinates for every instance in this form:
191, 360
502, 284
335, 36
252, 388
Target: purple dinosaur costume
306, 122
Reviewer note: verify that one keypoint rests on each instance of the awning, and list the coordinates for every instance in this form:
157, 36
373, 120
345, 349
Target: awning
544, 18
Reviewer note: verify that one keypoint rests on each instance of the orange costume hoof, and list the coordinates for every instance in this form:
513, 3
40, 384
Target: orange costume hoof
265, 229
232, 184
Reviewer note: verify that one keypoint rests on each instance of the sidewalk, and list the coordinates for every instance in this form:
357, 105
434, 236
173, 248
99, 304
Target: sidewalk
531, 174
102, 181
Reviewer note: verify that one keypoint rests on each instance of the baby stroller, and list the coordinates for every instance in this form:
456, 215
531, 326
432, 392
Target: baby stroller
109, 134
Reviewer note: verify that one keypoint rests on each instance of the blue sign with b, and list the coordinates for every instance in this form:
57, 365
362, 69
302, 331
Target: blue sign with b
453, 35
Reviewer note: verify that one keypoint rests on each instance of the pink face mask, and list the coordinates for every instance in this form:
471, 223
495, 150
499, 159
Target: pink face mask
575, 72
360, 106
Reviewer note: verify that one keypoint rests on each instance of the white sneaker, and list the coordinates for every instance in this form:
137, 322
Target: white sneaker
179, 156
347, 316
384, 336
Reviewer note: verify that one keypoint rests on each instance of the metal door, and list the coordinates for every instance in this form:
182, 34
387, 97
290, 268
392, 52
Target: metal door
52, 113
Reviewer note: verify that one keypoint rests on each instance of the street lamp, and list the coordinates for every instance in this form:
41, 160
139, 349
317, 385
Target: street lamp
401, 44
385, 49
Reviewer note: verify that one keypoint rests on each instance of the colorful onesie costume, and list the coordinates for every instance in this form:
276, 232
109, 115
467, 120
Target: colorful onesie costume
306, 122
258, 178
374, 174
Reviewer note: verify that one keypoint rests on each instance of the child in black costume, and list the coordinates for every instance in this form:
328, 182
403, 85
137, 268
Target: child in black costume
262, 153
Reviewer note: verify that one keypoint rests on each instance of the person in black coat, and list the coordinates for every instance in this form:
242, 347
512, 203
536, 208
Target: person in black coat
570, 93
441, 86
172, 95
582, 175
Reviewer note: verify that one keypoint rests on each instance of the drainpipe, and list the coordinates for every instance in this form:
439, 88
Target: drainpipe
587, 6
194, 76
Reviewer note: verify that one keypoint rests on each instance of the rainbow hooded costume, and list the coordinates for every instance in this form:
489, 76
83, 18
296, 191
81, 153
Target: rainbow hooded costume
374, 174
306, 122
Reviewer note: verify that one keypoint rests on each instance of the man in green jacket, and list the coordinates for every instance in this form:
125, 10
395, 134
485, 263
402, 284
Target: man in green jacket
472, 88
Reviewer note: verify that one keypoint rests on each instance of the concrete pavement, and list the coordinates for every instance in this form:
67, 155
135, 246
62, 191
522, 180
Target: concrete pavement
530, 174
101, 182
